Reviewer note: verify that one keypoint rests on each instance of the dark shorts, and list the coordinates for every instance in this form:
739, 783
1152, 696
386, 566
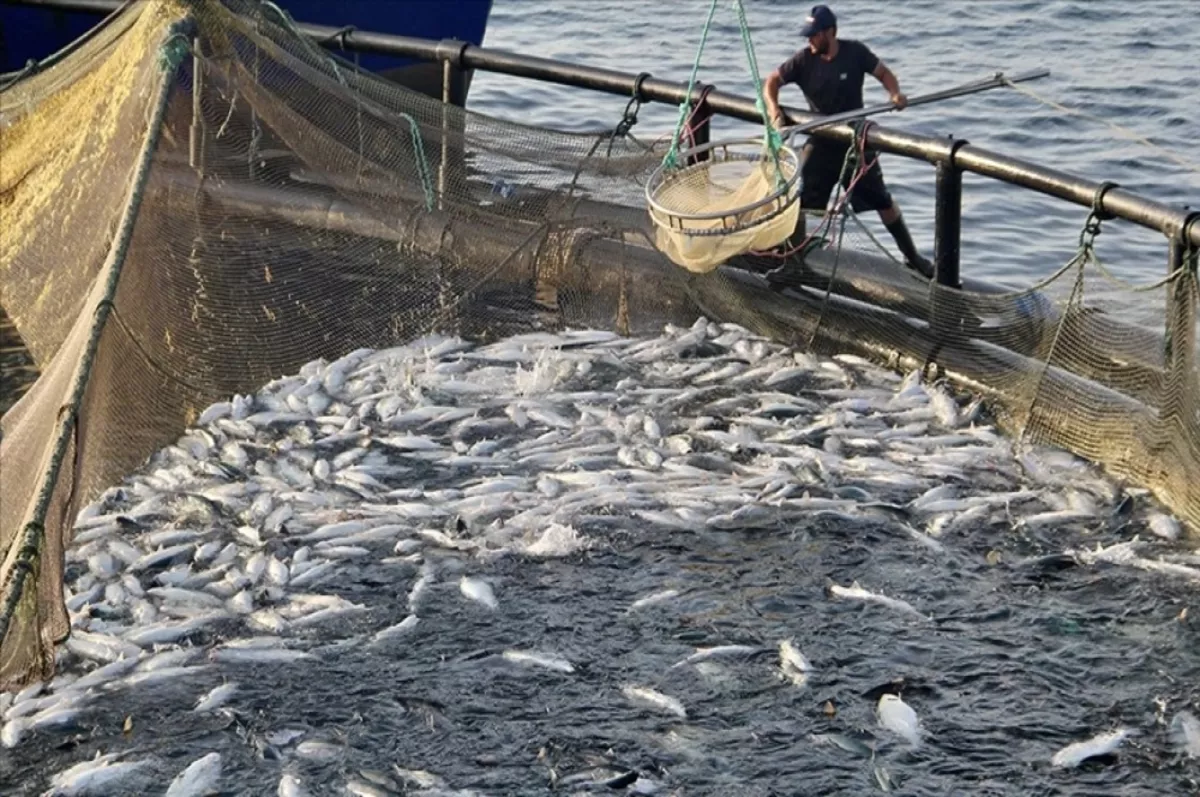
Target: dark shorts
823, 164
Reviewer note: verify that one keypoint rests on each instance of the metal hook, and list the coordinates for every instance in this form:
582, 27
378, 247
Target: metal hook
630, 116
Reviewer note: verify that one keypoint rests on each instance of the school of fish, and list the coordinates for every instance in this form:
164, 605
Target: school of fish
227, 549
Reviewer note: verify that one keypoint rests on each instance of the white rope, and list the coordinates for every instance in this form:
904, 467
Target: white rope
1123, 131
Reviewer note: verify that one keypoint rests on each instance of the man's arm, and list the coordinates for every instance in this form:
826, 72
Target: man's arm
885, 76
771, 96
788, 72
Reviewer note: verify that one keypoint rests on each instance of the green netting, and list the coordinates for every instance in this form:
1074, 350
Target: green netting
293, 209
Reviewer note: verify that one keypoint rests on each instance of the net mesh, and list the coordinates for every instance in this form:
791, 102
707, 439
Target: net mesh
184, 225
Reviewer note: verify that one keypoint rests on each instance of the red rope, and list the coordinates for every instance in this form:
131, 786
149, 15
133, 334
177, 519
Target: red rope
689, 132
861, 172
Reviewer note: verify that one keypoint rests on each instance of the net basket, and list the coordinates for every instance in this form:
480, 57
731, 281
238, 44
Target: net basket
733, 197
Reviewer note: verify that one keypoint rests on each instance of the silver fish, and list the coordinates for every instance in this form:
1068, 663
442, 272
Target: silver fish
239, 655
792, 663
168, 632
199, 778
898, 717
217, 697
549, 661
101, 775
653, 699
653, 599
399, 629
290, 786
137, 680
1102, 744
1185, 733
479, 591
856, 592
719, 651
313, 750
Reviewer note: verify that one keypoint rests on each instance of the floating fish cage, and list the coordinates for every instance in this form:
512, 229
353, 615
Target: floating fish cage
731, 198
318, 214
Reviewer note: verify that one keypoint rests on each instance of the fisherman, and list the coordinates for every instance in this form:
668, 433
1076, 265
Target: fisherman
830, 72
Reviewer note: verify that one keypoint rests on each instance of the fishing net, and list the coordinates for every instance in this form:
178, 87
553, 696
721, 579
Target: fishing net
198, 200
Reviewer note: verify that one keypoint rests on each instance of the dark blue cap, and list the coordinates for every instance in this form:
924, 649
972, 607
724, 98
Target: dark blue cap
820, 19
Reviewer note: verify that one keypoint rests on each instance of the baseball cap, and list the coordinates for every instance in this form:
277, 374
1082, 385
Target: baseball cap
820, 19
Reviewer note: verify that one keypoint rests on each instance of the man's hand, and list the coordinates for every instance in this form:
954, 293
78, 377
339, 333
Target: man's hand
885, 76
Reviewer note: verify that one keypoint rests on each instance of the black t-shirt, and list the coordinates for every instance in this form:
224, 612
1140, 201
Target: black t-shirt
831, 86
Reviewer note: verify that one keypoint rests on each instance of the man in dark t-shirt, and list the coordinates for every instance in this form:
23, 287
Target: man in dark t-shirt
830, 72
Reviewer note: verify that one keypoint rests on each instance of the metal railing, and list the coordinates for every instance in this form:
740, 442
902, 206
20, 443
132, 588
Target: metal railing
950, 156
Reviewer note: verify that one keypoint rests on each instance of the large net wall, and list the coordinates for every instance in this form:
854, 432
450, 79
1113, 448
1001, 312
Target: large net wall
198, 201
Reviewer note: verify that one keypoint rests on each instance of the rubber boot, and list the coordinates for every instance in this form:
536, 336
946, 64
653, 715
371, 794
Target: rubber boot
790, 274
912, 258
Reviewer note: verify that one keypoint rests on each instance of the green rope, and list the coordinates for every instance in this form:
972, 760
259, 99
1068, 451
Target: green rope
423, 170
671, 159
173, 51
422, 163
10, 79
771, 138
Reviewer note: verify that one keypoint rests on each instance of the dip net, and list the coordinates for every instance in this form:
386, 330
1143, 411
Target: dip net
737, 199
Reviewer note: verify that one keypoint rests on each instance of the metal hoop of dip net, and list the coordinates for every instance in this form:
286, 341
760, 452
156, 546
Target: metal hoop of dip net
731, 197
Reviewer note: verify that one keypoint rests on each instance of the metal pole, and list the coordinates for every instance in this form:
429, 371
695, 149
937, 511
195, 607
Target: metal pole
1124, 204
947, 222
1117, 202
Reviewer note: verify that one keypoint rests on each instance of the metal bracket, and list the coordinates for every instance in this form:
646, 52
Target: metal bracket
452, 51
630, 117
638, 83
955, 145
1098, 201
339, 37
1185, 230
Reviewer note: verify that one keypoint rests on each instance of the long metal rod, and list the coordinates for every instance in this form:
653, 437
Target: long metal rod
1117, 202
996, 81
